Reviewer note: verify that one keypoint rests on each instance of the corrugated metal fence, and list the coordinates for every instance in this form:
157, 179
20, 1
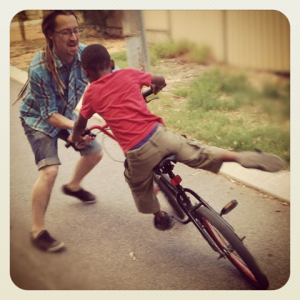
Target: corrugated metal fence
254, 39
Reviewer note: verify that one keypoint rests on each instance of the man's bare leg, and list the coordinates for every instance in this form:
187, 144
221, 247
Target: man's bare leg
40, 197
82, 168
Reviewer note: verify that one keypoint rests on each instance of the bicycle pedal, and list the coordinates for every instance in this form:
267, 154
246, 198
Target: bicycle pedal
228, 207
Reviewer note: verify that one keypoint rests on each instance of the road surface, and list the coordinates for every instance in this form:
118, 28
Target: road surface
100, 237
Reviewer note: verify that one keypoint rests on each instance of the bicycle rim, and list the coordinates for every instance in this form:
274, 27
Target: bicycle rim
233, 248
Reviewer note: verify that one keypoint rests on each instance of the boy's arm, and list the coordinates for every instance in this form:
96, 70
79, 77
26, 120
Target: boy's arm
157, 83
79, 127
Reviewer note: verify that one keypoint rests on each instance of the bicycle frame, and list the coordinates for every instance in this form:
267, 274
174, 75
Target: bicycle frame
188, 208
102, 128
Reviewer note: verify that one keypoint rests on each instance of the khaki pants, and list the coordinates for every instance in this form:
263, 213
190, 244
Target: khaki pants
140, 162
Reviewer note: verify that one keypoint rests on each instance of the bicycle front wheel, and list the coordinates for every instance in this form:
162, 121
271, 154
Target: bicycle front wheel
232, 247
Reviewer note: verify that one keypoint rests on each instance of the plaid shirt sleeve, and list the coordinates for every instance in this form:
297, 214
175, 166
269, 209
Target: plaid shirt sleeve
43, 94
42, 97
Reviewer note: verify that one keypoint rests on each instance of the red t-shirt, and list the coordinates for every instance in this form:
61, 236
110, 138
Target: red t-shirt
117, 98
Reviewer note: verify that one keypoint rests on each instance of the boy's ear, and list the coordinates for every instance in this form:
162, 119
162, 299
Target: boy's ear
86, 73
112, 64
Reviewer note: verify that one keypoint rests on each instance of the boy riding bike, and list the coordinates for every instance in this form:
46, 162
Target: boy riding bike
142, 135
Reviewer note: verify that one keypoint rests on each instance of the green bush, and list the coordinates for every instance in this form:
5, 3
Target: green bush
170, 49
199, 55
192, 53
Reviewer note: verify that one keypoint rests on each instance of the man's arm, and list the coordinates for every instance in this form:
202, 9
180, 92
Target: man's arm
60, 121
45, 99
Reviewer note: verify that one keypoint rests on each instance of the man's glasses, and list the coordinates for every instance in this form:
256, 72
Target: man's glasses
67, 33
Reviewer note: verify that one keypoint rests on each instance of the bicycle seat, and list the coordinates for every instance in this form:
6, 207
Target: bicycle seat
164, 162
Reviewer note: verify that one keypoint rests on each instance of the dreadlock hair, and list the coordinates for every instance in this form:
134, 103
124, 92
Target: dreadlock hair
95, 57
48, 25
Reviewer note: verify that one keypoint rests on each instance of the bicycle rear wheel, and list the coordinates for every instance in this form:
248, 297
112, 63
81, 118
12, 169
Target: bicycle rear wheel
170, 193
232, 247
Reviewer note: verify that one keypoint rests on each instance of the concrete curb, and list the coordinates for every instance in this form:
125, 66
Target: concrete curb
274, 184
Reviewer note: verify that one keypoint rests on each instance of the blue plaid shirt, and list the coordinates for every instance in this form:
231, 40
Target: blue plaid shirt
42, 98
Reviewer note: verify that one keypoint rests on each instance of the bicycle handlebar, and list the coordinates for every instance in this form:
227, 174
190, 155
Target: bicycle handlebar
147, 93
86, 132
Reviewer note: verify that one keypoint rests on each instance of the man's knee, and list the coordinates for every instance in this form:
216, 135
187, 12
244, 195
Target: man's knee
49, 173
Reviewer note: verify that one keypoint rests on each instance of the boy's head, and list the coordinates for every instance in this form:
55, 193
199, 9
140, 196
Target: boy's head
96, 59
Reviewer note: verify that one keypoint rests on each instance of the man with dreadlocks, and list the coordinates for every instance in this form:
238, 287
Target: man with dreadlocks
54, 87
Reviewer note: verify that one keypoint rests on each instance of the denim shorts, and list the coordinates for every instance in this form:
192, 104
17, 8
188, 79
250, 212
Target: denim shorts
44, 146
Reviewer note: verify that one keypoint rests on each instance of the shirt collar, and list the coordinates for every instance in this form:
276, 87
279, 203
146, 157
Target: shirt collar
61, 64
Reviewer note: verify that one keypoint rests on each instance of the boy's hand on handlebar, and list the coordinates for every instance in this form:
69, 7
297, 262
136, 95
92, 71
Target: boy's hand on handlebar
156, 89
83, 141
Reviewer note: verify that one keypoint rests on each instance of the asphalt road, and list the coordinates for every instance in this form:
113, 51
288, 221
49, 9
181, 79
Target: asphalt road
100, 237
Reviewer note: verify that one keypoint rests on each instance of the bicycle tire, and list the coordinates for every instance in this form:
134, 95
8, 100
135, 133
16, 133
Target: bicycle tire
232, 247
170, 193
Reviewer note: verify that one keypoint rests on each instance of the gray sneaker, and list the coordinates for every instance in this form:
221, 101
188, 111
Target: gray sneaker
261, 161
44, 241
166, 222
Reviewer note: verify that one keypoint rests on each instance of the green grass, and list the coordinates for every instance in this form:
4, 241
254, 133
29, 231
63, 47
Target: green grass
120, 59
223, 109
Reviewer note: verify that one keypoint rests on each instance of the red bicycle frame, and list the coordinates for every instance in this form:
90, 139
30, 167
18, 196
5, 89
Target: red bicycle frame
103, 129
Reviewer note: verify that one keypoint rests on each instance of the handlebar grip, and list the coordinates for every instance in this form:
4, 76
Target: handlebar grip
86, 132
68, 144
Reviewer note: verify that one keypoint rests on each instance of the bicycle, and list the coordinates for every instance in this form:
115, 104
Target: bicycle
219, 234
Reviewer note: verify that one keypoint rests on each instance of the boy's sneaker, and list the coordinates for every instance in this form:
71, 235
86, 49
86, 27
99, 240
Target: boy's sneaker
44, 241
261, 161
166, 222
